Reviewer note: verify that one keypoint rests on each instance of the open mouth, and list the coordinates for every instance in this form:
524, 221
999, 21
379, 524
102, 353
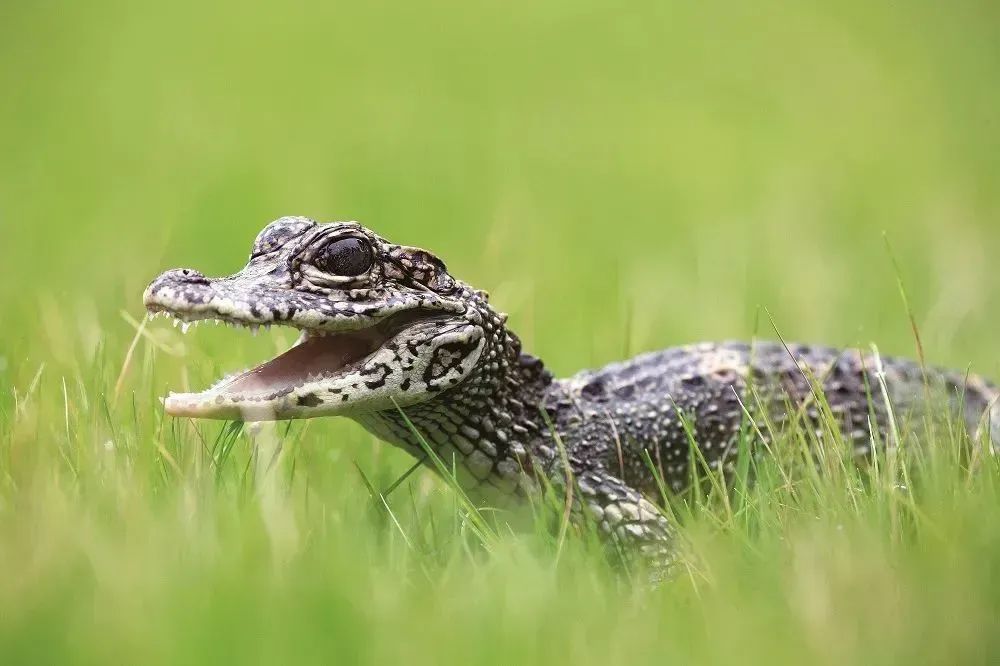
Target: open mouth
315, 356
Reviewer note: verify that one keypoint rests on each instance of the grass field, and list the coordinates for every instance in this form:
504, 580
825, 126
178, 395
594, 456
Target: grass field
620, 179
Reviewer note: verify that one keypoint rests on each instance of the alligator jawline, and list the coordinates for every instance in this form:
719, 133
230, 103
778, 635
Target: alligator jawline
317, 354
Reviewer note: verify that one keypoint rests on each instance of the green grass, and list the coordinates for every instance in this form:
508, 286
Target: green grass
621, 179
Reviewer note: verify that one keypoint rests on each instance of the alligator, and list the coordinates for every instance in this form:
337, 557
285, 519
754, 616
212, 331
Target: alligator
423, 361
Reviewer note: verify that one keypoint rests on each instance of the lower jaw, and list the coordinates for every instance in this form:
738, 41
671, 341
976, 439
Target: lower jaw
194, 405
265, 392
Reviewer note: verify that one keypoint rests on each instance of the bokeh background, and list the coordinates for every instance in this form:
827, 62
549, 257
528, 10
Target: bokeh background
620, 176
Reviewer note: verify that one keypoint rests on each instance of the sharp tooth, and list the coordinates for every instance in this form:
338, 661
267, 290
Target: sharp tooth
177, 322
254, 329
185, 326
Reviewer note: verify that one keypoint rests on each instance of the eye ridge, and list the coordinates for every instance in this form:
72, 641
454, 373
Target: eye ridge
345, 257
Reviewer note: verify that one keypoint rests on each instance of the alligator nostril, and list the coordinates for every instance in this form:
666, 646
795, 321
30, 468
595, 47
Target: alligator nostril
187, 275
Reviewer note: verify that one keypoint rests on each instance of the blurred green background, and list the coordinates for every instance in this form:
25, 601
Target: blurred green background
621, 177
674, 165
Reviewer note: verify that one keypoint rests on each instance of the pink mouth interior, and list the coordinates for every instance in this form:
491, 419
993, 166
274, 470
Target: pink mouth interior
316, 355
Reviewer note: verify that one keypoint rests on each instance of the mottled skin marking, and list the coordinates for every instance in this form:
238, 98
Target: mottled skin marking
462, 379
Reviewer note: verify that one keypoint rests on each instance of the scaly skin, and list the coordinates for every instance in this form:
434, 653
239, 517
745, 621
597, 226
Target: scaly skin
426, 344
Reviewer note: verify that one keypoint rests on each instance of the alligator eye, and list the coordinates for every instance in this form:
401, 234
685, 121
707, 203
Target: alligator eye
346, 257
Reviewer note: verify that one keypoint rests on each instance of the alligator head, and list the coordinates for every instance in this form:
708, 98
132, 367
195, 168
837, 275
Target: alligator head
382, 325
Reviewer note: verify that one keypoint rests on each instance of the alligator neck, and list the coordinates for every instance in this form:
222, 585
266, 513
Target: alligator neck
490, 427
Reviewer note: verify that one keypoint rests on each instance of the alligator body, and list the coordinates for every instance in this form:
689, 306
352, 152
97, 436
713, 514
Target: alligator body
386, 331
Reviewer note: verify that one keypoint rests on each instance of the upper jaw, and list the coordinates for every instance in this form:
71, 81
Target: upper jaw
233, 301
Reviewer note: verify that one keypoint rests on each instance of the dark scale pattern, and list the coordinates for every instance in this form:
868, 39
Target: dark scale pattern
484, 406
613, 414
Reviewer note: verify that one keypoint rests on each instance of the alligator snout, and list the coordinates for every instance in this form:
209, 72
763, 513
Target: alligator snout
183, 283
